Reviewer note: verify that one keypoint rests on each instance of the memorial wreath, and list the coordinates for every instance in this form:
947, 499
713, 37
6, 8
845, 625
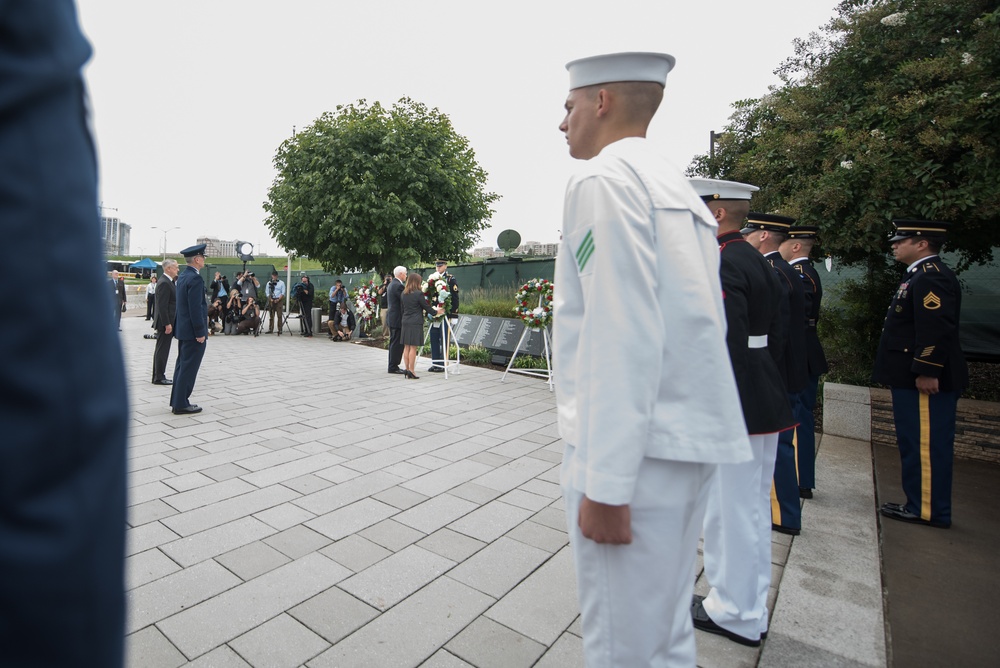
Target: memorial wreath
533, 303
435, 288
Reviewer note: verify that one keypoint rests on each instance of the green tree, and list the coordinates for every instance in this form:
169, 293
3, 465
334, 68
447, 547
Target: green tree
890, 112
369, 187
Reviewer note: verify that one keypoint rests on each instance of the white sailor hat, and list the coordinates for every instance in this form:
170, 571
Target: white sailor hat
612, 67
716, 189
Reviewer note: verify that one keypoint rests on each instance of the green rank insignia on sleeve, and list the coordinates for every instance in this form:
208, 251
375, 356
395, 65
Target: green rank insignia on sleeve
932, 301
585, 250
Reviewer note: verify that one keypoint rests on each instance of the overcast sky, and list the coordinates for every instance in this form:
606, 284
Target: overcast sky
191, 98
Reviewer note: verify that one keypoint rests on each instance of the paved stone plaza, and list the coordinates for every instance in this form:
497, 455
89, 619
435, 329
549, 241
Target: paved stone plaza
321, 512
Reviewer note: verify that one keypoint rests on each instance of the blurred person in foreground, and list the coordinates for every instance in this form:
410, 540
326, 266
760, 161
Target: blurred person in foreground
642, 430
63, 405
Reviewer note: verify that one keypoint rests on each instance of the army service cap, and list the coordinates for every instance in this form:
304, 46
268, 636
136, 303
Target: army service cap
191, 251
768, 222
614, 67
935, 230
710, 190
803, 232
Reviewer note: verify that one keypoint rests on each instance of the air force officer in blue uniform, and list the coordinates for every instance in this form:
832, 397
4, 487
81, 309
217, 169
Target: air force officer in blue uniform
63, 406
920, 358
190, 330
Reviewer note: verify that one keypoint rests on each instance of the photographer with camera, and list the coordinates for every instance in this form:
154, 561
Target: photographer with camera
248, 285
338, 296
383, 302
233, 315
275, 302
249, 317
219, 290
304, 291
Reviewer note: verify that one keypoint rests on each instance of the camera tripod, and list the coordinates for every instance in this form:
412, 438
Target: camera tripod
266, 315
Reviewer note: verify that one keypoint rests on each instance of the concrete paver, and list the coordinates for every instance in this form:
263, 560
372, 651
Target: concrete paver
321, 512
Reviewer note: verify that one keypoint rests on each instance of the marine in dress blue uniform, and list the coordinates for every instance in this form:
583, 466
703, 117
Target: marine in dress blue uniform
437, 333
795, 250
737, 528
920, 358
786, 509
63, 403
190, 330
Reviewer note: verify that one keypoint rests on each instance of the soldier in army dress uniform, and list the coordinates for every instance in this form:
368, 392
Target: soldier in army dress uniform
920, 358
766, 232
795, 250
437, 333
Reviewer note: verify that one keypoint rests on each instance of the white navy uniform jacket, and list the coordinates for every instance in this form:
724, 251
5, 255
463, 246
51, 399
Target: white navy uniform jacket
639, 255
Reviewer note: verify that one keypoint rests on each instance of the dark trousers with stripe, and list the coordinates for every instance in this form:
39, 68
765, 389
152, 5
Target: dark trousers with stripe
786, 508
925, 433
805, 434
189, 356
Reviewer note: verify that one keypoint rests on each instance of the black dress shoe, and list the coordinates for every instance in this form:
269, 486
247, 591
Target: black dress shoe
805, 493
163, 381
704, 622
893, 512
785, 530
399, 371
436, 369
893, 506
188, 410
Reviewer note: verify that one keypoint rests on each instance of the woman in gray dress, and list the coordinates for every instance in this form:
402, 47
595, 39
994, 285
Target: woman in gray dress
414, 306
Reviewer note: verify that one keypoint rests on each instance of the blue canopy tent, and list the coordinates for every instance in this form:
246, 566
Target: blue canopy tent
145, 266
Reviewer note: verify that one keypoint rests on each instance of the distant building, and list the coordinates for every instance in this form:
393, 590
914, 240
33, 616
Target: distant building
538, 249
116, 235
216, 248
487, 252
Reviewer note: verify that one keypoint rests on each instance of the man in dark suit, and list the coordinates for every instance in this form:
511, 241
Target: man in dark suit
737, 527
190, 330
118, 290
766, 232
920, 358
437, 333
165, 310
394, 319
64, 407
795, 250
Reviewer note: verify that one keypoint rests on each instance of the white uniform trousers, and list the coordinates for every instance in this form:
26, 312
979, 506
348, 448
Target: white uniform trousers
737, 546
635, 600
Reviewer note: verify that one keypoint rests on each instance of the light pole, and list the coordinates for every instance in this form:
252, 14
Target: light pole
164, 237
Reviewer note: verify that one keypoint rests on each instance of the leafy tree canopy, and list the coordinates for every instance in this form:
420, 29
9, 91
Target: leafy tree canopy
371, 188
893, 111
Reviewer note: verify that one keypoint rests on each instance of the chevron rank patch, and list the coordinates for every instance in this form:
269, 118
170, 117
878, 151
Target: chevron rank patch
585, 250
928, 351
932, 302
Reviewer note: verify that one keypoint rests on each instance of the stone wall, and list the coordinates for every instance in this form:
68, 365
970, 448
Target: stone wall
866, 414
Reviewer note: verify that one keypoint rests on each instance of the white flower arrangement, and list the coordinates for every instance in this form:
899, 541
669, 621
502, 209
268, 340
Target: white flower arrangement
533, 303
894, 20
847, 164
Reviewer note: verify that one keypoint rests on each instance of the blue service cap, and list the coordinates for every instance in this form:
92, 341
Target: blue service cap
191, 251
936, 230
768, 222
803, 232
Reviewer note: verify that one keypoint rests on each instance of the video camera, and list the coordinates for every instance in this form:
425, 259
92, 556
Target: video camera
298, 290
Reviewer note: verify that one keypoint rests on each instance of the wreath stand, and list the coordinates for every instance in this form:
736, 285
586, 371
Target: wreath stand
538, 373
446, 336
